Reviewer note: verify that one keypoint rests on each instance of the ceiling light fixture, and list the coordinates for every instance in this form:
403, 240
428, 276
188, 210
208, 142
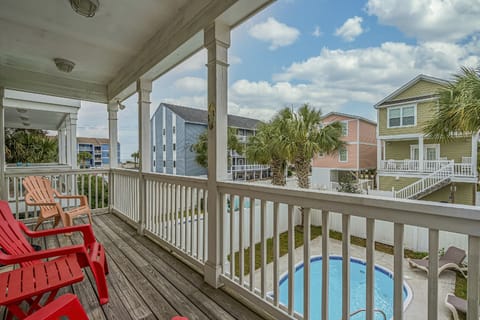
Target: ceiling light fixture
21, 110
26, 124
86, 8
24, 118
120, 106
64, 65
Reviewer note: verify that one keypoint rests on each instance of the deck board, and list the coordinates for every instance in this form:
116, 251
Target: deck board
147, 282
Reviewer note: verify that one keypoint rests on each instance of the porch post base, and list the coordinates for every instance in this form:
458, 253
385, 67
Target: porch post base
212, 274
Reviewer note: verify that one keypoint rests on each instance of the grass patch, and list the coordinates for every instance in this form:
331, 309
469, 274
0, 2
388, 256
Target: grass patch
283, 248
315, 233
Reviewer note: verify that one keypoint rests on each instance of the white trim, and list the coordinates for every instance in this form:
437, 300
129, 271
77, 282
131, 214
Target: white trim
389, 109
416, 101
401, 136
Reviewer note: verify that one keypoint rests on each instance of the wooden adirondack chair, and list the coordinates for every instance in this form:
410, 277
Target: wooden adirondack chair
65, 306
40, 193
89, 254
32, 283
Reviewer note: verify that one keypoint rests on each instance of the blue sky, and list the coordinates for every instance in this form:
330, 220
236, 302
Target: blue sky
339, 55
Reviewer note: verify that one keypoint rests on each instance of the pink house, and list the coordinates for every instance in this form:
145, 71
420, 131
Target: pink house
358, 155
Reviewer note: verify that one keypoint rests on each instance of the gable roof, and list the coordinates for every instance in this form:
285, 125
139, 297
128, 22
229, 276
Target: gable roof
193, 115
409, 84
349, 116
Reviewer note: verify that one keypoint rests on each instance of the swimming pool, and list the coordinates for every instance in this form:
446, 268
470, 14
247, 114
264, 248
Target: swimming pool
383, 289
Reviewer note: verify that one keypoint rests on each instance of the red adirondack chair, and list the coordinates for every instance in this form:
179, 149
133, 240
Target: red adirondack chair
89, 254
31, 283
65, 306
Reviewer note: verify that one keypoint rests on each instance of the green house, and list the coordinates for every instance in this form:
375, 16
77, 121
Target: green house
410, 164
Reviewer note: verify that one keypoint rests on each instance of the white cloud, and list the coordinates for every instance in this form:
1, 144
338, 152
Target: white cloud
429, 20
351, 29
276, 33
191, 84
336, 78
316, 33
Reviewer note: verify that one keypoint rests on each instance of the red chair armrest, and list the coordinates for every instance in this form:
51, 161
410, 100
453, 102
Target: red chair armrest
85, 229
43, 254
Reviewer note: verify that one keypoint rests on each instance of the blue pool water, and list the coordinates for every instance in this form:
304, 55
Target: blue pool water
383, 289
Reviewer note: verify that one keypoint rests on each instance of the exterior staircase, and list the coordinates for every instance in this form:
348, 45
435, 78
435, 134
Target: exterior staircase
427, 185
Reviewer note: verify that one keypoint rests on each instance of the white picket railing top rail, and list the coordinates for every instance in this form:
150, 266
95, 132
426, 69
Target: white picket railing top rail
174, 179
448, 217
51, 171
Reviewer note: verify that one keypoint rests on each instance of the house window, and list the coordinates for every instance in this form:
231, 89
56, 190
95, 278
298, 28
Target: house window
174, 146
344, 125
401, 116
321, 155
343, 155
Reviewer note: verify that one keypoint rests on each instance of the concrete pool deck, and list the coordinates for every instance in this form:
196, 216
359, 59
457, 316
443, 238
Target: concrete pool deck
416, 279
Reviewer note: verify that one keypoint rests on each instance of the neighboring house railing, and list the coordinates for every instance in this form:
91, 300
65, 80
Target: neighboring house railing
248, 167
429, 166
171, 210
425, 183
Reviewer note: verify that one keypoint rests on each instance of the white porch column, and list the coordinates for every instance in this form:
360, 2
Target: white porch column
420, 153
474, 153
3, 183
60, 137
72, 136
217, 41
113, 133
379, 160
144, 88
68, 137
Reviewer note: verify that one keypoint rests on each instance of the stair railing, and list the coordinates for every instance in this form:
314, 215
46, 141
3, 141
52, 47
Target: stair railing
426, 183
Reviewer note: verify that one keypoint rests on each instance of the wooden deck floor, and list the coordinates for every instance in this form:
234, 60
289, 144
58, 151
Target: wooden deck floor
146, 282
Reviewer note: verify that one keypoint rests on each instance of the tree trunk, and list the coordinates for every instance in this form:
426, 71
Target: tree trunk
302, 166
278, 176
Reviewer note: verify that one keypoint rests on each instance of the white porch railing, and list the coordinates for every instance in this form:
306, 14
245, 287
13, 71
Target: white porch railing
253, 216
413, 166
92, 183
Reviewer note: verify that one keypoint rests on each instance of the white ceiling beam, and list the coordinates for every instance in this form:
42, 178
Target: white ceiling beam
190, 21
36, 82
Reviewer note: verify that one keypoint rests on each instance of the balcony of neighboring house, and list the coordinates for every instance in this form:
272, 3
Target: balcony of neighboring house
207, 248
405, 157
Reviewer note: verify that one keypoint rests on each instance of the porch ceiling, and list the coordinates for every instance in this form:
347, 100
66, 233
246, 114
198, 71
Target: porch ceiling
122, 42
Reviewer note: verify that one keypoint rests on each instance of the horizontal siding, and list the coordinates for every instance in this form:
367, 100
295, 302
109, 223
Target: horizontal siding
464, 194
368, 157
421, 88
331, 161
398, 150
425, 112
386, 183
368, 132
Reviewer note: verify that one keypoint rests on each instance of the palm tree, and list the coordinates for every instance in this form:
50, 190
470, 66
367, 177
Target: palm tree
458, 107
135, 156
83, 157
305, 137
267, 147
201, 147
